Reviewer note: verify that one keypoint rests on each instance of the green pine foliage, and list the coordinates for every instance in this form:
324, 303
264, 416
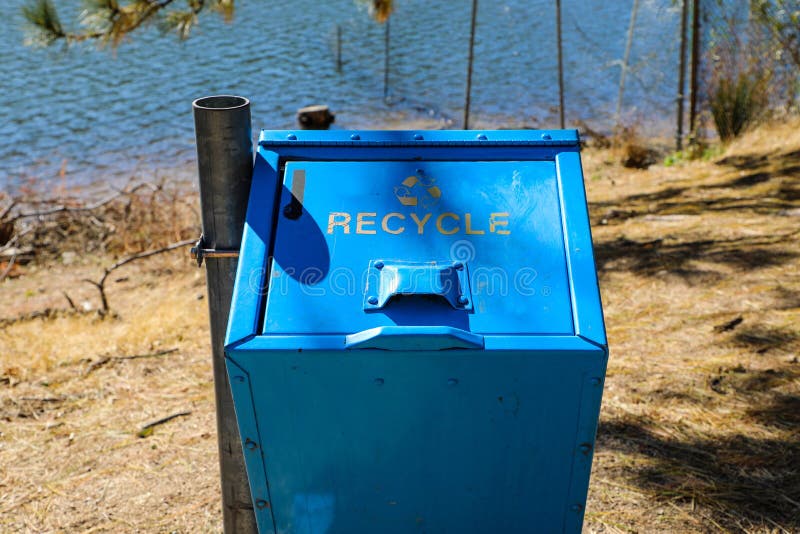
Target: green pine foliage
110, 21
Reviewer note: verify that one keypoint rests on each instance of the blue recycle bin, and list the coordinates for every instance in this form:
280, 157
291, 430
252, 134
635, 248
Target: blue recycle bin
416, 340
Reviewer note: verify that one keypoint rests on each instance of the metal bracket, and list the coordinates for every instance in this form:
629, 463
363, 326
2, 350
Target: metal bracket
199, 252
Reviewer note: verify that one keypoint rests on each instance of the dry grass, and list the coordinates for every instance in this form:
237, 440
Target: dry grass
72, 461
701, 416
700, 273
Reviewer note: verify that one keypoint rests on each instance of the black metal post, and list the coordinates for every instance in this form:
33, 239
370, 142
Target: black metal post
338, 48
681, 76
469, 63
560, 66
225, 166
693, 82
386, 61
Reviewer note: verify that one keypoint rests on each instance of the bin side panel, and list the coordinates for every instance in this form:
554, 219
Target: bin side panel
584, 290
242, 392
248, 290
448, 441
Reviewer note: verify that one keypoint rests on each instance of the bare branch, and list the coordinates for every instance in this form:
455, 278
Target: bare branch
8, 209
8, 268
147, 429
107, 359
75, 209
101, 284
69, 300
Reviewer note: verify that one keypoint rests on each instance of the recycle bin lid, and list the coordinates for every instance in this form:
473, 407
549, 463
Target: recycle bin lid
490, 239
361, 244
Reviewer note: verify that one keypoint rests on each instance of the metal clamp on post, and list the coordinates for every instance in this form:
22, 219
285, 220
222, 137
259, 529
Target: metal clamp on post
199, 252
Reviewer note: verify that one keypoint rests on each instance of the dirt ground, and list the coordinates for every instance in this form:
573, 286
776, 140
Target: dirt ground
699, 266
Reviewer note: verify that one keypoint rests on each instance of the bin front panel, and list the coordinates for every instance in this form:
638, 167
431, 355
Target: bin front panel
454, 441
477, 246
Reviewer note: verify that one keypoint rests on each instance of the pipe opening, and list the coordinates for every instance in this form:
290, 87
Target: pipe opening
220, 102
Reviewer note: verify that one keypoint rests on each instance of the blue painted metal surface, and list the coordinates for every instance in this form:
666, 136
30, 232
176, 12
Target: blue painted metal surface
416, 340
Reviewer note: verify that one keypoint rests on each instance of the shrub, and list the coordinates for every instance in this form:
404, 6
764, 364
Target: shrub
737, 102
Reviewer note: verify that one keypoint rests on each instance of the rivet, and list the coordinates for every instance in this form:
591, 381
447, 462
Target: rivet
577, 507
291, 137
355, 137
458, 266
420, 172
596, 381
250, 444
379, 265
239, 378
418, 137
463, 300
546, 137
261, 504
452, 382
379, 381
585, 447
482, 137
373, 300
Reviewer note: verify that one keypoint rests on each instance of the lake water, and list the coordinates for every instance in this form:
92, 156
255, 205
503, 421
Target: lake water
91, 115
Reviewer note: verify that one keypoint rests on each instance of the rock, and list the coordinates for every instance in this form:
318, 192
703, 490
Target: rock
315, 117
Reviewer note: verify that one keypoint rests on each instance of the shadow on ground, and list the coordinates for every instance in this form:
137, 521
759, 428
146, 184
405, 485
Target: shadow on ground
776, 191
742, 481
776, 175
652, 257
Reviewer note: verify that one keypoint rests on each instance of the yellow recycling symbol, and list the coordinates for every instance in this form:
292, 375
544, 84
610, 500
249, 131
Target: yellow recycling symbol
408, 190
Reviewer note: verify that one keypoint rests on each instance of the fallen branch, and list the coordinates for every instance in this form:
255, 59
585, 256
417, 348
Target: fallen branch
69, 209
8, 268
70, 301
147, 429
101, 284
46, 313
106, 359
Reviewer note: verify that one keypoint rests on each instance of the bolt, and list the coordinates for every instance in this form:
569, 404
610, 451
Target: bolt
420, 172
239, 378
482, 137
418, 137
379, 381
261, 504
577, 507
458, 266
292, 211
596, 381
355, 137
546, 137
250, 444
585, 447
291, 137
379, 265
463, 300
452, 382
373, 300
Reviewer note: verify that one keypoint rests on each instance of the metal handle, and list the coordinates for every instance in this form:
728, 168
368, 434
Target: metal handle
389, 278
414, 338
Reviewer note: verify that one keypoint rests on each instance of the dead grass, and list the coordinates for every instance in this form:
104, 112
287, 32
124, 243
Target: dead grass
700, 272
72, 459
699, 430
